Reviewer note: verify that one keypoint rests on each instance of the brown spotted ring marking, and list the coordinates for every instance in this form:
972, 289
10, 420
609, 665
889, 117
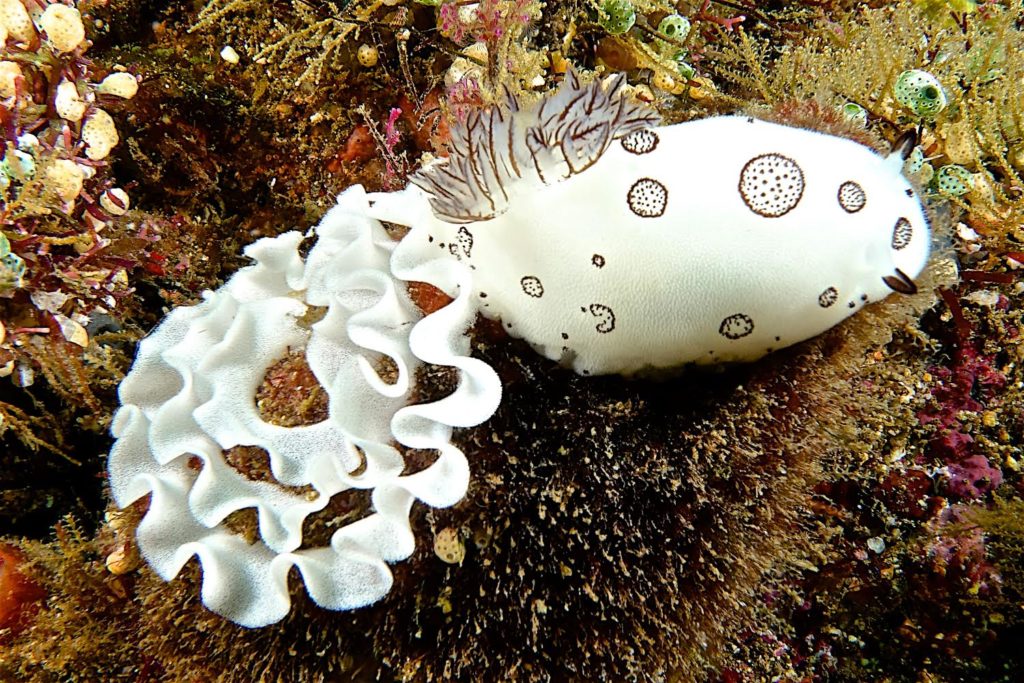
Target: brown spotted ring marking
901, 234
532, 286
647, 198
851, 197
597, 260
605, 318
828, 297
771, 185
640, 141
736, 326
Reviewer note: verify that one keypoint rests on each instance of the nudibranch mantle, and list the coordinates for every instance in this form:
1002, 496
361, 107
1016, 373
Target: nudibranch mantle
608, 242
704, 242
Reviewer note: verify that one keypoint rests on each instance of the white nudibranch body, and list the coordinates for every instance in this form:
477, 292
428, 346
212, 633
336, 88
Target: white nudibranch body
705, 242
608, 242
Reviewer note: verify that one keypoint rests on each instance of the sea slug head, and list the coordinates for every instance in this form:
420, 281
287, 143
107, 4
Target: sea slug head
910, 240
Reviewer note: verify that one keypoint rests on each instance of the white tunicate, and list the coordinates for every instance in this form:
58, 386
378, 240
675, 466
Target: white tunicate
64, 178
68, 102
99, 134
63, 27
10, 72
17, 21
121, 84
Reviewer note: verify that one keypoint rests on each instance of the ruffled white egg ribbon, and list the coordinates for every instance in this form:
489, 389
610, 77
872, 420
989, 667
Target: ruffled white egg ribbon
191, 395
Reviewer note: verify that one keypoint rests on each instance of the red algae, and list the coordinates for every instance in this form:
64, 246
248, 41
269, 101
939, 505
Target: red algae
427, 297
19, 594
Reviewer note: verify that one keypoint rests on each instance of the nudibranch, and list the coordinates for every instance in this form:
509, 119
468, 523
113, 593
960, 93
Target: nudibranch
608, 242
616, 246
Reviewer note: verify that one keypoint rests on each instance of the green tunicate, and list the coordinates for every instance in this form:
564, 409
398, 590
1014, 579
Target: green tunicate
985, 61
18, 165
686, 72
954, 180
914, 162
617, 16
28, 143
855, 113
920, 92
12, 268
674, 26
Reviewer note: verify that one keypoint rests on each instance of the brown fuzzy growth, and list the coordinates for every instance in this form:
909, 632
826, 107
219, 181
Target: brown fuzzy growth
815, 114
290, 394
80, 633
616, 529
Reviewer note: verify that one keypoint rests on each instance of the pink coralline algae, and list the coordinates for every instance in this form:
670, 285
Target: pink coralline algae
973, 477
958, 552
964, 387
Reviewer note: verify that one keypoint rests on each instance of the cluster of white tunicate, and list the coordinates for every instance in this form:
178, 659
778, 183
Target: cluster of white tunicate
191, 395
60, 24
47, 39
